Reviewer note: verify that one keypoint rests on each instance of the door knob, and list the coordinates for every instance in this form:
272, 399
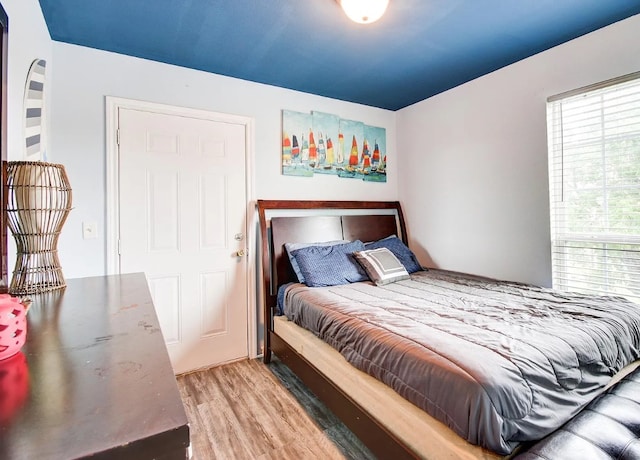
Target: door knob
241, 253
238, 236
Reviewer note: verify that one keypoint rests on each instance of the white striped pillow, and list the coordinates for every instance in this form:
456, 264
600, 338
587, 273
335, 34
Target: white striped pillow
381, 265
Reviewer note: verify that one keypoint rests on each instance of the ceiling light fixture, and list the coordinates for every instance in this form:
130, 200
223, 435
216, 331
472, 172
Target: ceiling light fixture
364, 11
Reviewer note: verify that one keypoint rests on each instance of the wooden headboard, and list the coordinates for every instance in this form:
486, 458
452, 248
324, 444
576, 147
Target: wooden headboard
316, 221
323, 221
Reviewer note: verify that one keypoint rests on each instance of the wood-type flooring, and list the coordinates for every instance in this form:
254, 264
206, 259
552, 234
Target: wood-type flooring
247, 410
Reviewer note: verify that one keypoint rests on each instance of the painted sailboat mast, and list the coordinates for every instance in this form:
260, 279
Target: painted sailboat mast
329, 151
286, 149
313, 152
375, 160
322, 152
366, 157
295, 149
353, 157
305, 150
340, 157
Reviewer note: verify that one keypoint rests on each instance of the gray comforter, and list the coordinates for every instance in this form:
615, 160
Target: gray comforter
499, 363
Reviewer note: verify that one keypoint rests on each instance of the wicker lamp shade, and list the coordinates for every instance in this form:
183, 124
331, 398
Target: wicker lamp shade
39, 201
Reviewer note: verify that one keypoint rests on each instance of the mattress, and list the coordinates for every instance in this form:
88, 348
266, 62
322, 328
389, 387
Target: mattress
425, 436
498, 363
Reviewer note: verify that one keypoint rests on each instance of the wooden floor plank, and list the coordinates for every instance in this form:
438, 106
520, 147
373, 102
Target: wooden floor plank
199, 439
312, 405
256, 418
247, 410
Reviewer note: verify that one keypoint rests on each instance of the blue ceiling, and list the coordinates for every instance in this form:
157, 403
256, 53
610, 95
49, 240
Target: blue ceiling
418, 49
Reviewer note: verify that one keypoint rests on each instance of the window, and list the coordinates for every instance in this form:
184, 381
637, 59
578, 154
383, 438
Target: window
594, 178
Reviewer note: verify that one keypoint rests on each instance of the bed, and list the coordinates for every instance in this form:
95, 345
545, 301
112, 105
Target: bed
461, 403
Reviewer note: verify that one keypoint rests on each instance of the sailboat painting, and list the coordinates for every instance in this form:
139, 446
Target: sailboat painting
353, 132
323, 143
296, 130
376, 138
327, 128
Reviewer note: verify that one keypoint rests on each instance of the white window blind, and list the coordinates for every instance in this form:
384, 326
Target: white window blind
594, 179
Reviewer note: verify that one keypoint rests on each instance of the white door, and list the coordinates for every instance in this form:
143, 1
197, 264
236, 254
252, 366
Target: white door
183, 222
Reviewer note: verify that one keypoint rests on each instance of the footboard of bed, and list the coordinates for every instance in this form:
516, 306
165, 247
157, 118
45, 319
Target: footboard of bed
379, 440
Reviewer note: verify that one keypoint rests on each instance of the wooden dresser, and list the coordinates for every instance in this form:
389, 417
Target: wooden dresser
94, 378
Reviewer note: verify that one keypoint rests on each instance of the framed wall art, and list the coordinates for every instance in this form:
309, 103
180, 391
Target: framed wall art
323, 143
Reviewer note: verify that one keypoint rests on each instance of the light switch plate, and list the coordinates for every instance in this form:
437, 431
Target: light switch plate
89, 230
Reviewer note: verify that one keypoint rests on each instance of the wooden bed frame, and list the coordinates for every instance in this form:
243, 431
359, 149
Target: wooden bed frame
339, 222
316, 221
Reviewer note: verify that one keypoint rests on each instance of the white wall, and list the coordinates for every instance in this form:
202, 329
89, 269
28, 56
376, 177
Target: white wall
28, 40
84, 76
479, 202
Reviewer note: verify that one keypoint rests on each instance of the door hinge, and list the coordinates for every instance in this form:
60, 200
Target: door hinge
119, 252
118, 136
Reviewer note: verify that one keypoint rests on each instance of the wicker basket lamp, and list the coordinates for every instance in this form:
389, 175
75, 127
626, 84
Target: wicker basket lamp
39, 201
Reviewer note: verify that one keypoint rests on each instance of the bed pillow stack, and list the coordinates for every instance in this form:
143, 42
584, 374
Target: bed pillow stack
330, 265
338, 262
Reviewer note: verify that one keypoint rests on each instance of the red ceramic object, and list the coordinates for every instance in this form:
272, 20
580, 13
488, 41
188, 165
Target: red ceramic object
13, 325
14, 387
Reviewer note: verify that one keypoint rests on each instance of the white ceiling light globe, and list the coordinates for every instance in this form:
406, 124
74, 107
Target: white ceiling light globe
364, 11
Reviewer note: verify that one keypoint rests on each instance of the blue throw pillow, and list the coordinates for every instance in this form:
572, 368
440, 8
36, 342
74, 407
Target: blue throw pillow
400, 250
290, 247
330, 265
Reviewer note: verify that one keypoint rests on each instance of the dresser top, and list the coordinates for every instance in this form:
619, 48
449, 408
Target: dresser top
94, 377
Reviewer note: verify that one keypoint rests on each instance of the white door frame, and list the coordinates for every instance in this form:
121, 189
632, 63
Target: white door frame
113, 104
